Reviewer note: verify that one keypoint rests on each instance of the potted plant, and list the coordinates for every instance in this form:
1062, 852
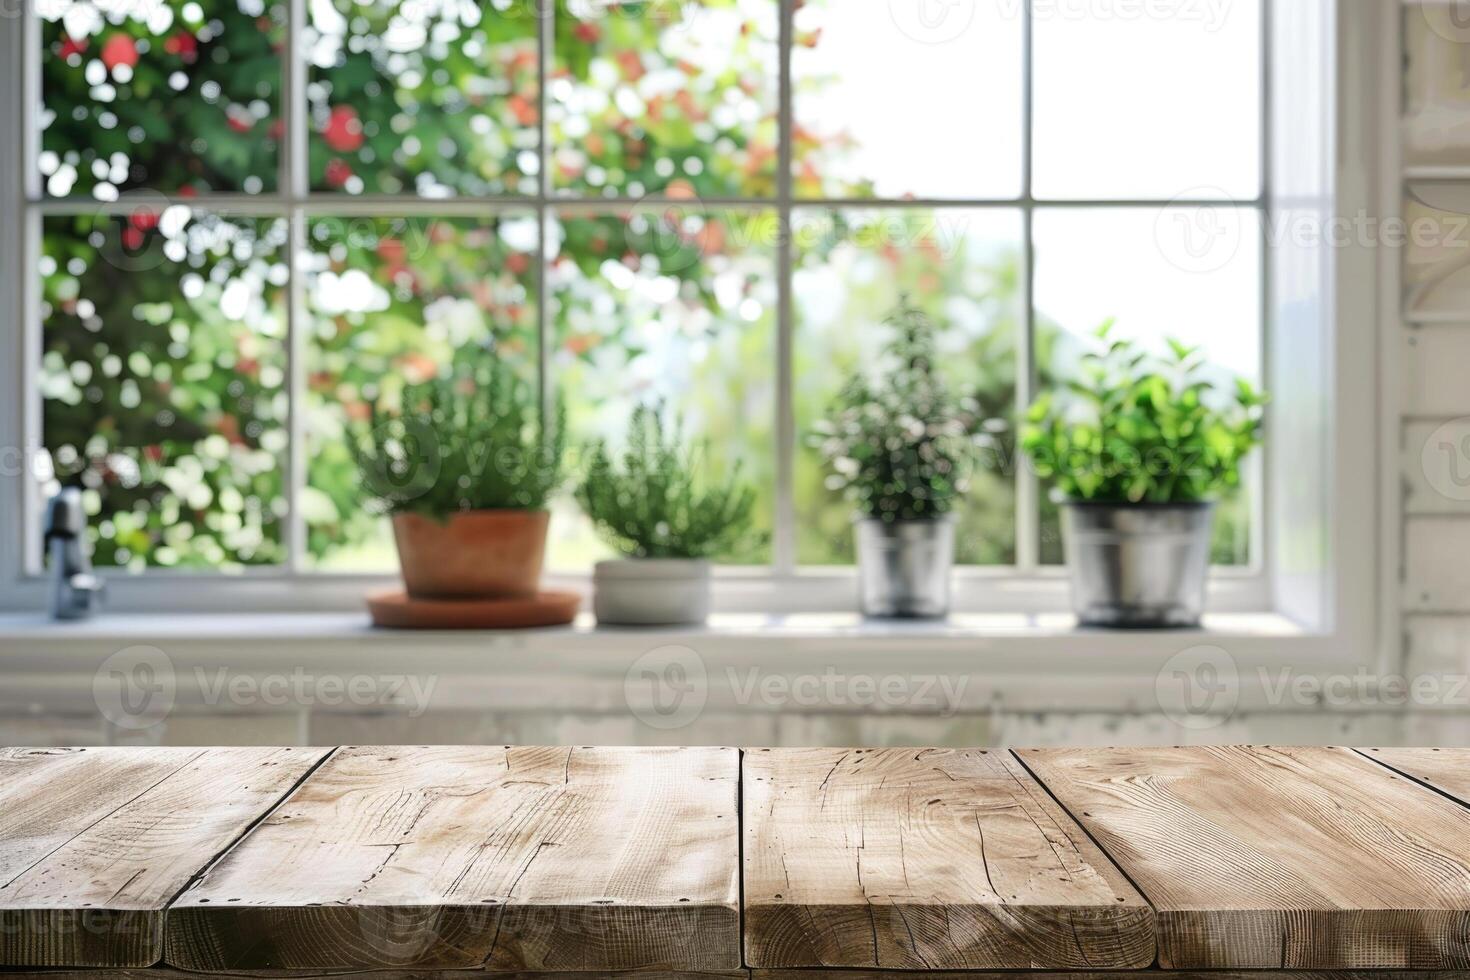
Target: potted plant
900, 449
1140, 448
465, 470
654, 507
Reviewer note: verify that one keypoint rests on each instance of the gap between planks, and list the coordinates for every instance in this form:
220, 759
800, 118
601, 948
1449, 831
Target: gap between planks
1092, 837
265, 814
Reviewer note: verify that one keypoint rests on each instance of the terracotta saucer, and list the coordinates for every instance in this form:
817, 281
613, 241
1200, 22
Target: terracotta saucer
397, 610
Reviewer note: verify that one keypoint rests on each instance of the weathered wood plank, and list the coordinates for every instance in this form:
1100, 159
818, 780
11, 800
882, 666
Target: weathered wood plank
463, 856
169, 973
1151, 974
173, 973
95, 842
1447, 770
925, 859
1261, 857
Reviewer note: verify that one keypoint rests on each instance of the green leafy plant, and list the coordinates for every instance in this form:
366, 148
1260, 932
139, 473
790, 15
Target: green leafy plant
901, 448
1139, 428
469, 440
655, 505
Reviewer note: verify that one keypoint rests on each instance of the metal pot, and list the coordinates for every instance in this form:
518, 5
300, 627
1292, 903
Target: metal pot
1138, 565
903, 567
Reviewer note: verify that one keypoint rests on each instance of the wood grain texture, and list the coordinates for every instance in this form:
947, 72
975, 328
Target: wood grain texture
1447, 770
95, 842
1152, 974
1261, 857
517, 859
169, 973
925, 859
173, 973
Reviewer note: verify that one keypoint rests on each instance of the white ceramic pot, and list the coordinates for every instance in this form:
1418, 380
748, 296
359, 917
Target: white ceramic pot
651, 591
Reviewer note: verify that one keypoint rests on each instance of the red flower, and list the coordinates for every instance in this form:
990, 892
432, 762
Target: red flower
517, 263
119, 50
277, 130
338, 173
587, 33
631, 63
188, 190
71, 46
132, 239
143, 219
393, 254
343, 131
523, 109
239, 119
183, 44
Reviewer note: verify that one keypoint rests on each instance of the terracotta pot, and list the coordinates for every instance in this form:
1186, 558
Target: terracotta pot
475, 553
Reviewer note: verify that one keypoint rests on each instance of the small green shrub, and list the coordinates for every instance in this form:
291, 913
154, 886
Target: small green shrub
472, 440
901, 448
654, 505
1137, 428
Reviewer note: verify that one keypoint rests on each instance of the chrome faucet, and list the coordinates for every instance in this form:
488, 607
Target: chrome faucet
76, 593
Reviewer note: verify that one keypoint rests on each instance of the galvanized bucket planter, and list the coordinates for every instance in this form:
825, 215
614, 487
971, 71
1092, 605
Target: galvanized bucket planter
1139, 566
904, 567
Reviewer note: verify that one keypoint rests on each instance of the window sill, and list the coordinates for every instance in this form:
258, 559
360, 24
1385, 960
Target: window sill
984, 661
28, 629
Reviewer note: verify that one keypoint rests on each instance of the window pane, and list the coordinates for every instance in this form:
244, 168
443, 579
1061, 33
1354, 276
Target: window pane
963, 267
1437, 84
394, 301
658, 97
434, 97
674, 308
1193, 274
169, 95
163, 382
1161, 102
907, 99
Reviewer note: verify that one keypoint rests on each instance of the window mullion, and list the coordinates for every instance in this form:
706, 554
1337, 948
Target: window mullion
26, 275
295, 188
783, 545
545, 53
1028, 497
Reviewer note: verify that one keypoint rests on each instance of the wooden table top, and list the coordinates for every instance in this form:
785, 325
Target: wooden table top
427, 862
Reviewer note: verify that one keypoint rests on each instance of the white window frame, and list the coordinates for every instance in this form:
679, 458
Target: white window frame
1333, 593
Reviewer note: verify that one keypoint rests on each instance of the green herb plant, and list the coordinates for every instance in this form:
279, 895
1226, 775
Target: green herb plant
1140, 428
470, 440
902, 447
651, 502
